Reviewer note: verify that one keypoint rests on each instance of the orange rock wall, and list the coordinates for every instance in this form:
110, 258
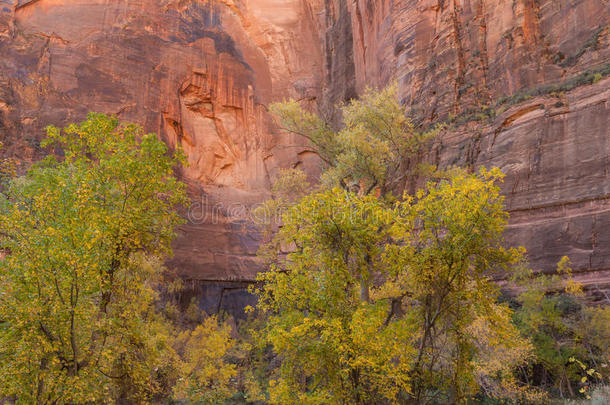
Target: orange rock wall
201, 73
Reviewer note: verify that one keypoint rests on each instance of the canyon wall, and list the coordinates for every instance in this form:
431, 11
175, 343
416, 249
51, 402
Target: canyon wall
523, 85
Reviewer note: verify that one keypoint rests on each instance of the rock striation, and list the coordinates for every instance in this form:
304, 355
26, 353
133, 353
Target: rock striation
524, 87
523, 84
199, 73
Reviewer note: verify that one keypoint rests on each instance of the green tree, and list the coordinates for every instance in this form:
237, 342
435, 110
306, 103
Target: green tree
82, 238
370, 302
449, 247
331, 337
567, 335
374, 148
205, 375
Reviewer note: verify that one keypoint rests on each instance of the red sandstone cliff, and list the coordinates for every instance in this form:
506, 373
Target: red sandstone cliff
201, 74
514, 78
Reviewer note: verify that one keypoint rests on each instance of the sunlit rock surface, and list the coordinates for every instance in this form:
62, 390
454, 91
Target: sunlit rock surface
202, 73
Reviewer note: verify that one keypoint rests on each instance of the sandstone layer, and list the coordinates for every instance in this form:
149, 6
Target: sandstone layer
514, 80
523, 83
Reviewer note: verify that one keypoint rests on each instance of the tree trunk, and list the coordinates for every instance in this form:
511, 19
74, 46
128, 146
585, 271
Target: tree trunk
364, 290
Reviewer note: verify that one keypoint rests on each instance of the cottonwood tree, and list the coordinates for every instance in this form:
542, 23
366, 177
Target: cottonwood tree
205, 376
332, 339
374, 147
83, 238
389, 302
449, 247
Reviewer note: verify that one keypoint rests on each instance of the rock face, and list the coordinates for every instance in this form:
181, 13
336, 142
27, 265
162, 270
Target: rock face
201, 74
525, 85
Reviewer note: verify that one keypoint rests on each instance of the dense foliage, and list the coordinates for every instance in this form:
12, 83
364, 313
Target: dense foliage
373, 148
83, 238
571, 339
370, 298
375, 291
391, 302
